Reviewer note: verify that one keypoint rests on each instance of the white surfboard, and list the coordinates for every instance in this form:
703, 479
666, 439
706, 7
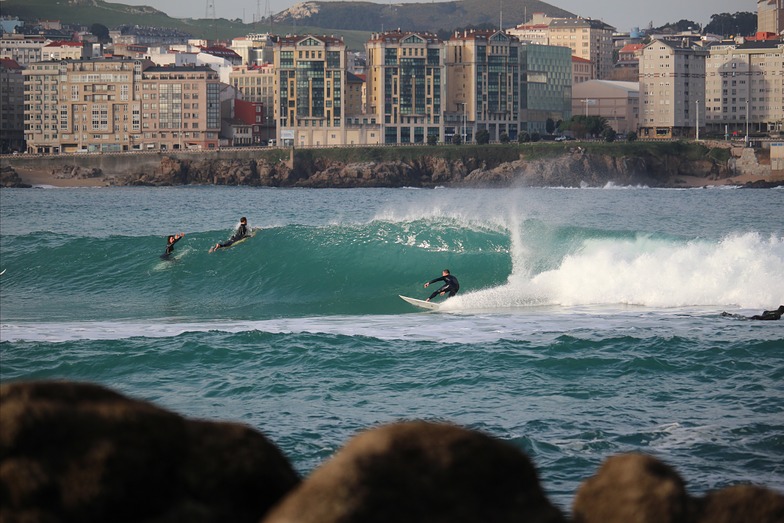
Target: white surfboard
420, 303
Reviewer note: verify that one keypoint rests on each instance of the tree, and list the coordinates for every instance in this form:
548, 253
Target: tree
432, 139
482, 137
523, 137
549, 126
535, 137
100, 31
609, 134
457, 139
631, 136
582, 126
504, 138
725, 24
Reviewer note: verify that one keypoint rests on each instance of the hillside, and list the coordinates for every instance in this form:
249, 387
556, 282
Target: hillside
352, 20
88, 12
429, 16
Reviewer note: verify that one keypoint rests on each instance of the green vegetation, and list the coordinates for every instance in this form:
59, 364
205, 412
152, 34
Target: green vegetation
111, 15
494, 154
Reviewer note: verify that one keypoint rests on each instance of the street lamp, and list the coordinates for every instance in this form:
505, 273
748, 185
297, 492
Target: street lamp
697, 108
464, 134
747, 122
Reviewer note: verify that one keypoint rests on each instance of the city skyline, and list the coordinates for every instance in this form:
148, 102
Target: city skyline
614, 12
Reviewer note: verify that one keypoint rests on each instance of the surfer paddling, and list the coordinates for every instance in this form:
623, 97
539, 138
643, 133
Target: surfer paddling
170, 244
450, 285
240, 233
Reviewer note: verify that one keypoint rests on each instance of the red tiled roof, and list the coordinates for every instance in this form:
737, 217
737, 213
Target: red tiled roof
580, 60
64, 43
631, 48
10, 63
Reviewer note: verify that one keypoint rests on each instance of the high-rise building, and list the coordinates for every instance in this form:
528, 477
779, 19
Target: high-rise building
11, 106
482, 85
672, 89
405, 82
770, 16
546, 90
310, 90
743, 84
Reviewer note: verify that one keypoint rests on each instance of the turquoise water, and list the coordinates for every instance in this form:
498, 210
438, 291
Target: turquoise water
588, 323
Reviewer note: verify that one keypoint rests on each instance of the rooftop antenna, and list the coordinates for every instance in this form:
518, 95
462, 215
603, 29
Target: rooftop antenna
268, 14
209, 14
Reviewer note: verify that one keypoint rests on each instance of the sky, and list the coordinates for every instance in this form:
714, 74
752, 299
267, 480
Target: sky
622, 14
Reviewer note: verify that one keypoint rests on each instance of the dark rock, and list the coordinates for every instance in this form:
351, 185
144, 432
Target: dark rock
742, 504
79, 452
762, 184
633, 488
420, 472
10, 178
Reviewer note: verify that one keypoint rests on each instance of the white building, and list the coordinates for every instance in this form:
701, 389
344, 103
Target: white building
618, 102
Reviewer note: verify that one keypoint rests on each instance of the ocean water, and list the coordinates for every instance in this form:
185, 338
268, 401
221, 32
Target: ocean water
589, 321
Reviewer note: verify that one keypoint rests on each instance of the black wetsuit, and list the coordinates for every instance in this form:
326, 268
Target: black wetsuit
170, 248
239, 234
450, 285
770, 315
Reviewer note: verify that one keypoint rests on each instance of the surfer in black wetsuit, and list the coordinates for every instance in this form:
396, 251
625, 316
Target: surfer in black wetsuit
766, 315
240, 233
450, 285
170, 245
770, 315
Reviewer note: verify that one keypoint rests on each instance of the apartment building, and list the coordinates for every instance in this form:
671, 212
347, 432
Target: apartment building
744, 84
255, 82
118, 105
255, 49
536, 31
184, 108
672, 89
546, 86
770, 16
310, 99
482, 85
587, 38
22, 49
63, 50
582, 70
11, 106
405, 85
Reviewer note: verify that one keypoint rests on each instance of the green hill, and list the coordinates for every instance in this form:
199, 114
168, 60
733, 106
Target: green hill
88, 12
431, 16
352, 20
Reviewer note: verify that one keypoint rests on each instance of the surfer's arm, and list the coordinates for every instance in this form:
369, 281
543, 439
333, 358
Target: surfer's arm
433, 281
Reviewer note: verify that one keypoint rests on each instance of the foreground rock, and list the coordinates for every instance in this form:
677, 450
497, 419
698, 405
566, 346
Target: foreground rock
78, 452
82, 453
421, 472
635, 488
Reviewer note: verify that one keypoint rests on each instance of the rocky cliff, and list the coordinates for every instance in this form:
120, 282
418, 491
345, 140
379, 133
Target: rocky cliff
662, 165
574, 168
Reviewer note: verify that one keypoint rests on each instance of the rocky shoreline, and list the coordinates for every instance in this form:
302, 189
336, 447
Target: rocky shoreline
574, 167
81, 452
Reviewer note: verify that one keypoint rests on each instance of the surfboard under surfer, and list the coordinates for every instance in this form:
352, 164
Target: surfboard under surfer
450, 285
240, 233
